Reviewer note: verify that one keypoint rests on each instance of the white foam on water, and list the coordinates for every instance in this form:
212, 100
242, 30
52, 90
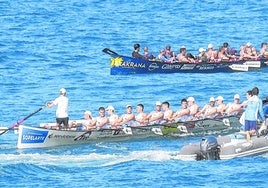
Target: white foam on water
58, 160
148, 155
265, 155
113, 146
84, 159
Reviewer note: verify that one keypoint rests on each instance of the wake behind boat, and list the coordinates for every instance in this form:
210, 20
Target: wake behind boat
128, 65
46, 136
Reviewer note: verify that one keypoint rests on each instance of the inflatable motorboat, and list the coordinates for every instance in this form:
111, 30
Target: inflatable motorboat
229, 146
224, 147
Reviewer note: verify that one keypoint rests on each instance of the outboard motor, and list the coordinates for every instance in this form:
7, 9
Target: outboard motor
210, 149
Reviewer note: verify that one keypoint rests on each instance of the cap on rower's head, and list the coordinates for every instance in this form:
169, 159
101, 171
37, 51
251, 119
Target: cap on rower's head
210, 46
146, 49
236, 96
158, 103
87, 112
248, 44
128, 105
201, 50
110, 108
211, 99
190, 99
220, 98
62, 90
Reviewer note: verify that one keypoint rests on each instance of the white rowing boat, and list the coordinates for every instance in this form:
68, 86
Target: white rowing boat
37, 137
46, 136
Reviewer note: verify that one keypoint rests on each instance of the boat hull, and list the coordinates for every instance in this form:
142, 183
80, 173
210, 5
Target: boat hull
40, 137
36, 137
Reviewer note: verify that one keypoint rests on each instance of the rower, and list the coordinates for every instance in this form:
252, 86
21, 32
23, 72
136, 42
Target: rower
112, 117
208, 111
220, 106
233, 108
128, 118
136, 53
183, 113
86, 124
141, 117
156, 116
101, 121
193, 107
168, 113
263, 51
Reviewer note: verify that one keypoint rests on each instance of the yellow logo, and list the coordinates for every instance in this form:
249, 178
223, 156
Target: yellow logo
116, 62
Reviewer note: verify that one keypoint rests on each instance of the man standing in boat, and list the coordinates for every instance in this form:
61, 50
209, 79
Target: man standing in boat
62, 109
252, 112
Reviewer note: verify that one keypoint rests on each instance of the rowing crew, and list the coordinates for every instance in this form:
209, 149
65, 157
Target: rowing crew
189, 111
225, 53
162, 114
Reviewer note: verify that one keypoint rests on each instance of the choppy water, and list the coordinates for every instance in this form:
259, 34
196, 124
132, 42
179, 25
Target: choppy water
46, 45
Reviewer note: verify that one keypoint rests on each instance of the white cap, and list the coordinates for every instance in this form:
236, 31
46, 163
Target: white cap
236, 96
62, 90
210, 46
211, 99
110, 108
128, 105
158, 103
248, 44
87, 112
220, 98
183, 47
201, 50
190, 99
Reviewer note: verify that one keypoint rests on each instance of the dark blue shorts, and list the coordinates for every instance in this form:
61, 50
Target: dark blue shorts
250, 125
63, 121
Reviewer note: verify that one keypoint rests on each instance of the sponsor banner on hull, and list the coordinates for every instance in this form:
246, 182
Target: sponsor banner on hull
33, 136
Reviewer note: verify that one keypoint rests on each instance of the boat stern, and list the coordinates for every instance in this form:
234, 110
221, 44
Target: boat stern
30, 137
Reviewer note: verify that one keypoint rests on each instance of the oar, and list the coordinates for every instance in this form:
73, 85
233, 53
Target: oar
110, 52
20, 121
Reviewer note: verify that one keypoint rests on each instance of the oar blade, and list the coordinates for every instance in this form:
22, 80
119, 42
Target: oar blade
3, 130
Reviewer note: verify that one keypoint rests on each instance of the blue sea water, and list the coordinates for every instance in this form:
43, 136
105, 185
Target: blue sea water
46, 45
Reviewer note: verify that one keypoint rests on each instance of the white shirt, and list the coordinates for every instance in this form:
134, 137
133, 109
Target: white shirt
62, 110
